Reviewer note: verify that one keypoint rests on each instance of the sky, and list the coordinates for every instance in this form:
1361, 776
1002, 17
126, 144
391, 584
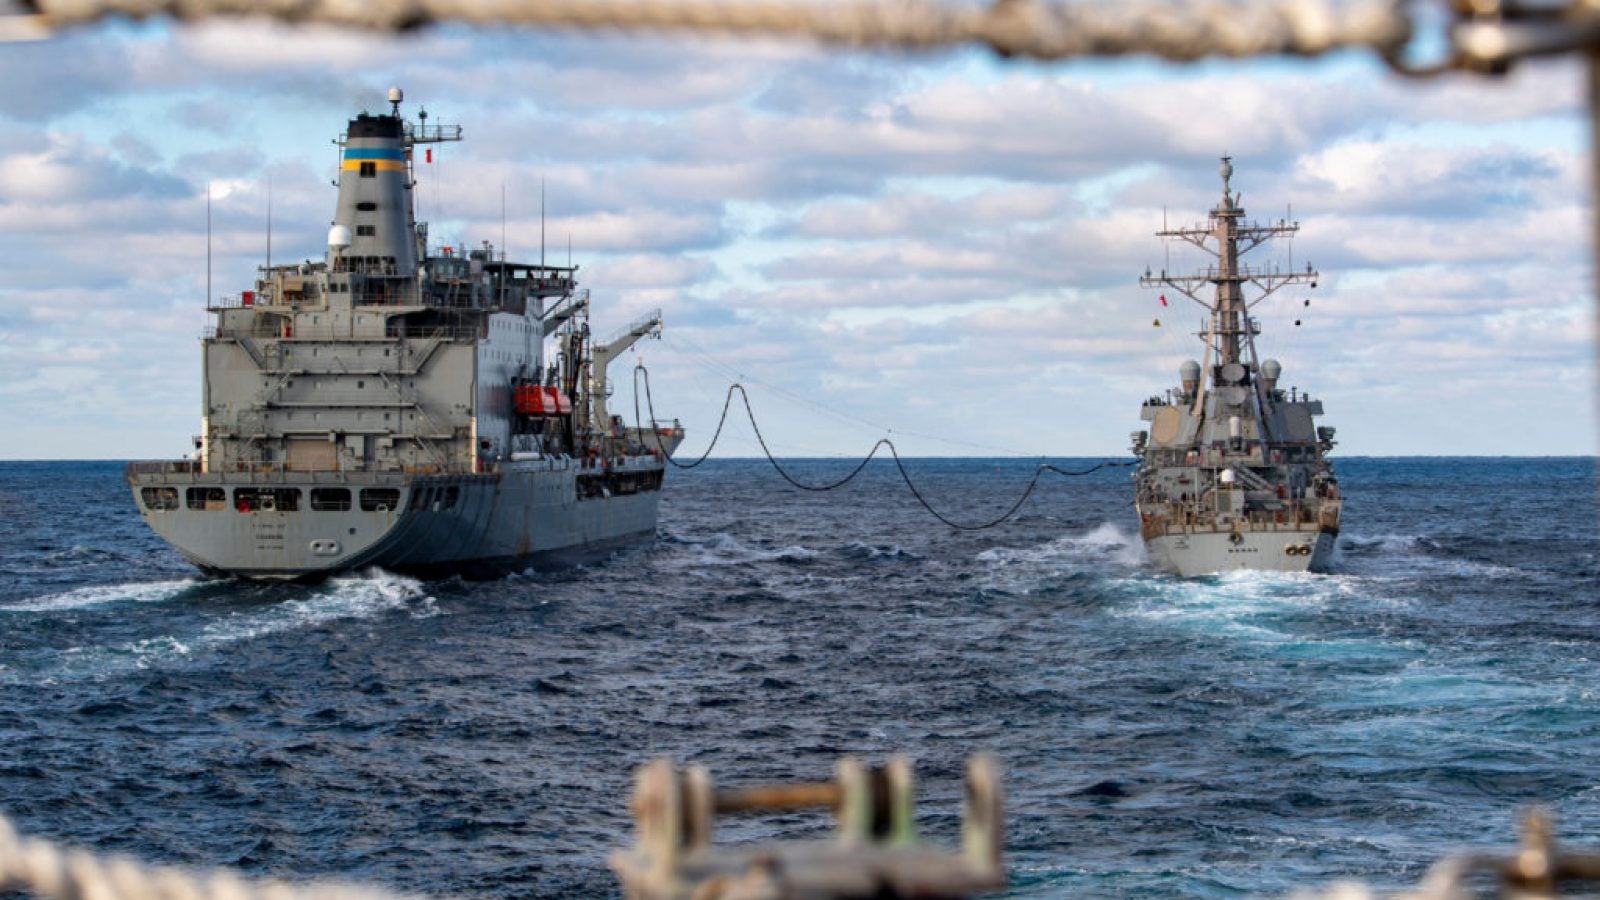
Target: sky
944, 249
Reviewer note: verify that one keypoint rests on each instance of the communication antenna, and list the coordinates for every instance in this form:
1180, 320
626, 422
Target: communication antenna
269, 225
1166, 245
541, 223
504, 275
208, 244
1289, 218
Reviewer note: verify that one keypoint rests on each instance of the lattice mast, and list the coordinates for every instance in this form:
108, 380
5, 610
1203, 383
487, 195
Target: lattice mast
1228, 237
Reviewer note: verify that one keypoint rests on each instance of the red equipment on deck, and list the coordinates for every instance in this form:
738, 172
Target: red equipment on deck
536, 400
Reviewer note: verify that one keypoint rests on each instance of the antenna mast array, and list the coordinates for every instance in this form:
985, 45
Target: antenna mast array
1228, 237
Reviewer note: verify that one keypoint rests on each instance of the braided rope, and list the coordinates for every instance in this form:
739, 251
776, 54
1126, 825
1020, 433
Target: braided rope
42, 869
1040, 29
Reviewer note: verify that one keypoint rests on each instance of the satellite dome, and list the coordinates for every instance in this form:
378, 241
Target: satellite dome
1270, 370
338, 238
1189, 371
396, 95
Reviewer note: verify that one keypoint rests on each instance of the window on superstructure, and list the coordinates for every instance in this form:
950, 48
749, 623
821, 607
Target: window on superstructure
369, 170
212, 498
330, 499
266, 499
379, 499
160, 497
366, 231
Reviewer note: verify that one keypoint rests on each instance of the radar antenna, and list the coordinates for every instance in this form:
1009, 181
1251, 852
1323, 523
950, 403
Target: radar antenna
1228, 237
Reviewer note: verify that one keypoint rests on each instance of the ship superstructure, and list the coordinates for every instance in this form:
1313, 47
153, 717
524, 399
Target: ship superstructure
396, 404
1234, 471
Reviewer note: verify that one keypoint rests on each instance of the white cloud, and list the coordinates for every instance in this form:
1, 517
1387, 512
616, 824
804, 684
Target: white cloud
898, 240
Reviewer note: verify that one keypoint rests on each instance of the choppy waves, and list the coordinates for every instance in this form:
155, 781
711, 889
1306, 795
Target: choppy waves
1250, 733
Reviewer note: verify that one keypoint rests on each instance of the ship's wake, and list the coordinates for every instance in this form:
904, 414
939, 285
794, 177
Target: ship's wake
101, 595
88, 634
364, 596
1246, 604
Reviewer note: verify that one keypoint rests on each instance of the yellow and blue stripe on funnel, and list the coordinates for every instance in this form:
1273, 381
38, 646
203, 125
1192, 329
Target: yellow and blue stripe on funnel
385, 159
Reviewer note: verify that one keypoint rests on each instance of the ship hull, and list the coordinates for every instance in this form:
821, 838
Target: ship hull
1195, 553
545, 513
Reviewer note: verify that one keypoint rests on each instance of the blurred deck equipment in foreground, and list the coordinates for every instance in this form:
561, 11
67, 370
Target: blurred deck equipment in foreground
875, 855
875, 852
1537, 871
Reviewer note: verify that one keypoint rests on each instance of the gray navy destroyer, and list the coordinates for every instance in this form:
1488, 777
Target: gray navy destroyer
396, 405
1234, 471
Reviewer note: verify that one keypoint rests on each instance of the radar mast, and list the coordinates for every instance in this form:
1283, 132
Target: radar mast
1227, 236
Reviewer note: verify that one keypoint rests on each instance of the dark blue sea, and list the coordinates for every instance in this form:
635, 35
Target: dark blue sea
1238, 736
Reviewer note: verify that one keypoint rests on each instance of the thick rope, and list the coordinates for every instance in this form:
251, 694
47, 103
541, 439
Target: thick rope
1024, 28
42, 869
833, 485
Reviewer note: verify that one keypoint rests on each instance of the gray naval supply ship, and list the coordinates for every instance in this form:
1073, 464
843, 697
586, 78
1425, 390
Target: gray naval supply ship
394, 405
1234, 472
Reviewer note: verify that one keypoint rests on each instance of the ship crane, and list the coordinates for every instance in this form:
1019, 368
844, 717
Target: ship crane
564, 310
604, 352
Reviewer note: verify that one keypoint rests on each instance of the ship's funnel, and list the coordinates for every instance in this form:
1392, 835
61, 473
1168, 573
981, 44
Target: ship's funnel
1189, 375
1270, 370
375, 198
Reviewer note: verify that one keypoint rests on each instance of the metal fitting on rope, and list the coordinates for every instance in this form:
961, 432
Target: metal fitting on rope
875, 852
1486, 36
1489, 37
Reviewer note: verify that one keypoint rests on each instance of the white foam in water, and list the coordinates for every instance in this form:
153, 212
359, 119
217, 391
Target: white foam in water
77, 662
1025, 569
1105, 541
874, 551
1241, 603
156, 651
103, 595
369, 595
1123, 547
723, 549
364, 596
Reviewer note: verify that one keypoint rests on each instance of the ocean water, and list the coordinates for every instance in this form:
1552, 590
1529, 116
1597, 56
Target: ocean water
1245, 735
